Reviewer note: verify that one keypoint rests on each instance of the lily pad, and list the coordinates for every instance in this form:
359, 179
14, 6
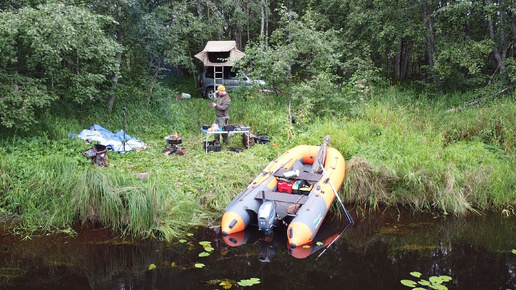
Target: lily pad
424, 282
199, 265
415, 274
436, 280
249, 282
152, 267
409, 283
204, 254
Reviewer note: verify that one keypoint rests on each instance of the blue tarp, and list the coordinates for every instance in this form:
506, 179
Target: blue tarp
111, 141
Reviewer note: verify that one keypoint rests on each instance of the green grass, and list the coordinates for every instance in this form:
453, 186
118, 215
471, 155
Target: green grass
401, 150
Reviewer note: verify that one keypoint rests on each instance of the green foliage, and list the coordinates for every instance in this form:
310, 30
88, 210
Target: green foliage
52, 52
302, 60
434, 282
469, 56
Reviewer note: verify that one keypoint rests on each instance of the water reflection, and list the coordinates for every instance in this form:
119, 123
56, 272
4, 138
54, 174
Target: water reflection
377, 252
329, 233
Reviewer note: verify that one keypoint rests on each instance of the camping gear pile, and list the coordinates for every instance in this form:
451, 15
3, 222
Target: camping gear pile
119, 142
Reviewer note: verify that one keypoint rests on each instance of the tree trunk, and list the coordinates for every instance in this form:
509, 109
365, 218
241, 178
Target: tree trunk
496, 51
403, 63
397, 65
266, 23
430, 37
262, 23
154, 77
248, 24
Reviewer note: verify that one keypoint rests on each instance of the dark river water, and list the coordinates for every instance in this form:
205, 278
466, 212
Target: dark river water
377, 252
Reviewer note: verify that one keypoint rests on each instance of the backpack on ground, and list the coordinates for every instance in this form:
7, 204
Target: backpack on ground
97, 154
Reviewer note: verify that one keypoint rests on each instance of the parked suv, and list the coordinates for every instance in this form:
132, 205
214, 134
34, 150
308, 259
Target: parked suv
232, 80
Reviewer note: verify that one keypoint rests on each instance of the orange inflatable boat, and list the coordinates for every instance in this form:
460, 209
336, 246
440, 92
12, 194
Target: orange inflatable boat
296, 189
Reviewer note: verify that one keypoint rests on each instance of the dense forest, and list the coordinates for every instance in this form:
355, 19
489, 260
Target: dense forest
84, 51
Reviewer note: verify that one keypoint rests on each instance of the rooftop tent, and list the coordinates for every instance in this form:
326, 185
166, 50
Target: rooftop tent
220, 53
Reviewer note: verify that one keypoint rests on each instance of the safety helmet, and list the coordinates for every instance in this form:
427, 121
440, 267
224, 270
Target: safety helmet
221, 88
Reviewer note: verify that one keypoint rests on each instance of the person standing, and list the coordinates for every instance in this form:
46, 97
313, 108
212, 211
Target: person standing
221, 111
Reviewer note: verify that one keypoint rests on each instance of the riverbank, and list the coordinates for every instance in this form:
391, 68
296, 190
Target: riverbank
401, 149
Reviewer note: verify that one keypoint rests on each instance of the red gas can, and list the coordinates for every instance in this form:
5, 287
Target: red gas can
285, 186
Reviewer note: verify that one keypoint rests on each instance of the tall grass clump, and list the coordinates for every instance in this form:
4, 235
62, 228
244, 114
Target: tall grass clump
406, 158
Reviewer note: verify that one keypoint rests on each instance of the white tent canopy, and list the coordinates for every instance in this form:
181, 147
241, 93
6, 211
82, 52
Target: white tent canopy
220, 53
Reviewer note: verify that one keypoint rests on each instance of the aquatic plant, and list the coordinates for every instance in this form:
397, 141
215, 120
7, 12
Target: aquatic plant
249, 282
434, 282
226, 284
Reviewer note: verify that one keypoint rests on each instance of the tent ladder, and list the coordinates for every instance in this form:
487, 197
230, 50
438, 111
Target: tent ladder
218, 76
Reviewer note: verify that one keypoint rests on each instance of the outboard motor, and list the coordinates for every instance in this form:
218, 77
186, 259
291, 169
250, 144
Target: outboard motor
267, 217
